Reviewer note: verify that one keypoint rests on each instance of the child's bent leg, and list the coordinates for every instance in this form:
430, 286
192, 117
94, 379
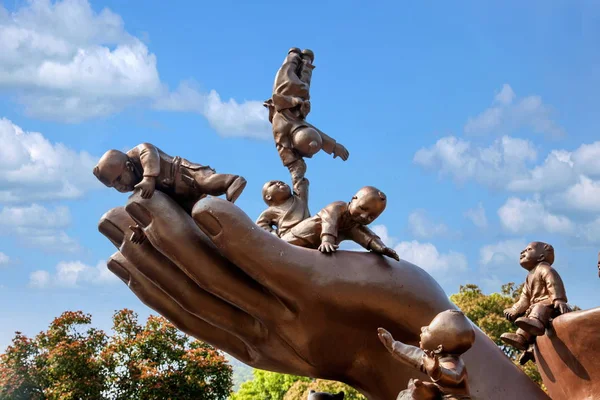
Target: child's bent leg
287, 80
218, 184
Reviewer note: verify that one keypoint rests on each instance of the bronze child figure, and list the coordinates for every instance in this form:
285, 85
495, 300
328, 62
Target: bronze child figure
147, 168
340, 221
542, 298
288, 107
286, 209
449, 335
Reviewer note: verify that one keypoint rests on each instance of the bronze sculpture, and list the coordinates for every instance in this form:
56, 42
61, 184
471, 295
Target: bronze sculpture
286, 308
147, 168
288, 107
217, 276
543, 297
567, 358
286, 208
341, 221
443, 341
325, 396
599, 265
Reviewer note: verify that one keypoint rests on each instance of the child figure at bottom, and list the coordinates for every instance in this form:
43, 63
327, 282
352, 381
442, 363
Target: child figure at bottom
449, 335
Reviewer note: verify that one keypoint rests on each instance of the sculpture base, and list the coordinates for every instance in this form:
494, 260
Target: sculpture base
568, 356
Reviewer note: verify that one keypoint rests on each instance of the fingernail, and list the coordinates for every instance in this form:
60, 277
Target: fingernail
139, 213
208, 223
118, 270
112, 232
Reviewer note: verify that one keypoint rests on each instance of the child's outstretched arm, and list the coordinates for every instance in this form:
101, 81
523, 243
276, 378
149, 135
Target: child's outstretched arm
149, 158
301, 189
266, 220
365, 237
331, 146
405, 353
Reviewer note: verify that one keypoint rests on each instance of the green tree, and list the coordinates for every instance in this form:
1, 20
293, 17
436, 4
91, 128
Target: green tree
73, 361
273, 386
61, 363
267, 385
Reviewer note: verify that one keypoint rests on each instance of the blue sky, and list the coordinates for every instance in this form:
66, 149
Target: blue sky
479, 121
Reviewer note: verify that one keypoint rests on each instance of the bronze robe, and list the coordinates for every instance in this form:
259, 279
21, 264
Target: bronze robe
333, 220
451, 378
285, 216
543, 285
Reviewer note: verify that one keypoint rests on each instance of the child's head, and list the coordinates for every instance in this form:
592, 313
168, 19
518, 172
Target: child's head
325, 396
116, 170
450, 332
276, 192
367, 204
307, 141
535, 253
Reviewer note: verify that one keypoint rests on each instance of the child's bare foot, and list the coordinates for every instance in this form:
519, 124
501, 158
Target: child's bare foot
308, 55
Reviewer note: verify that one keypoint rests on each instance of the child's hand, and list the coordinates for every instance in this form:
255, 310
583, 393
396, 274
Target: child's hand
386, 338
431, 363
562, 307
390, 253
510, 314
138, 236
340, 151
147, 186
328, 244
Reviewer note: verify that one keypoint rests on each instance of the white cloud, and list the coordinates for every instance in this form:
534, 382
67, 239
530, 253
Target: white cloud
590, 232
582, 196
37, 226
427, 256
65, 62
508, 114
39, 279
4, 259
477, 216
555, 173
502, 253
528, 216
32, 168
424, 255
248, 119
73, 274
421, 226
494, 166
35, 216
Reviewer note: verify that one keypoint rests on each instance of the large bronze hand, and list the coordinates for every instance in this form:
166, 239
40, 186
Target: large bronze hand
219, 277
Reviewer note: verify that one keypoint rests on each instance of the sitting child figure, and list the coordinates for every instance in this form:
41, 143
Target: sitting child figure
286, 208
420, 390
449, 335
312, 395
543, 297
147, 168
296, 139
341, 221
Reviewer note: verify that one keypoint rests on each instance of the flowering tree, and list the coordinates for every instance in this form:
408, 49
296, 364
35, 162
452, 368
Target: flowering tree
73, 361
